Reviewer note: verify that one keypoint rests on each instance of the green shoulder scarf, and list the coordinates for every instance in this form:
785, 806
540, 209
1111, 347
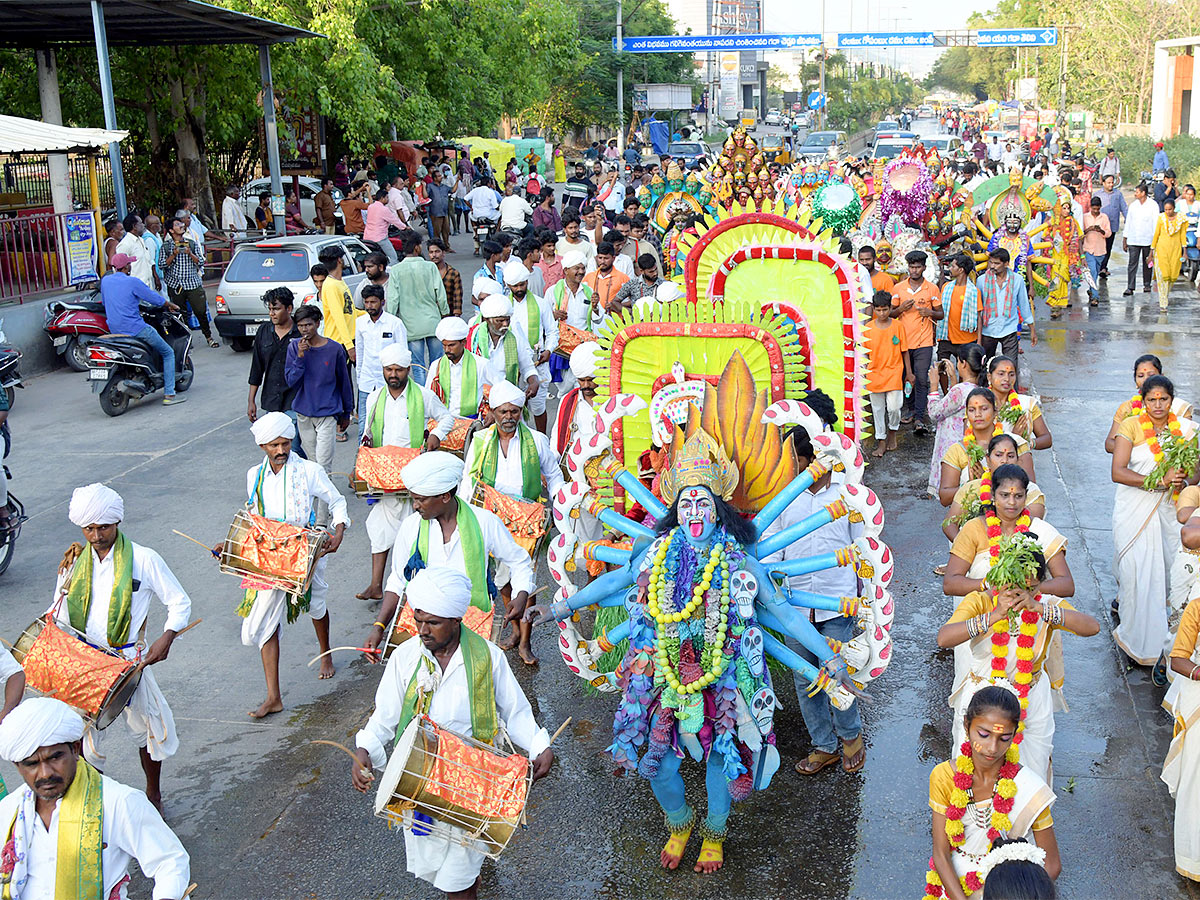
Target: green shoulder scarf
477, 660
474, 553
467, 407
120, 608
79, 874
416, 415
512, 361
488, 460
533, 320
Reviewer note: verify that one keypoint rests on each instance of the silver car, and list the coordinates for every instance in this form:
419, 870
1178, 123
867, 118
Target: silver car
277, 262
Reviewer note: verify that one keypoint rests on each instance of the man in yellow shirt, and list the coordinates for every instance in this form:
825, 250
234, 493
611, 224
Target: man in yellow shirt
337, 307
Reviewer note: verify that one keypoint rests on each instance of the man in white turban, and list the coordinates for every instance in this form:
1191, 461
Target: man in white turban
445, 665
286, 488
506, 350
515, 460
103, 591
374, 331
447, 531
571, 299
398, 414
533, 317
458, 377
70, 822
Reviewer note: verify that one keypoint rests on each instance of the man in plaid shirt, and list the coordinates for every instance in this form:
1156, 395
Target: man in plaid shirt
182, 264
638, 288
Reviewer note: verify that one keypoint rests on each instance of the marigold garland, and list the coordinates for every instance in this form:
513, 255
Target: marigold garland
1152, 437
1135, 405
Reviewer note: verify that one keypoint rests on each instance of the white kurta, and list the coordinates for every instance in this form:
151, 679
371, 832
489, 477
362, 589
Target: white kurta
583, 427
131, 829
546, 341
453, 391
148, 716
494, 370
448, 865
509, 478
288, 496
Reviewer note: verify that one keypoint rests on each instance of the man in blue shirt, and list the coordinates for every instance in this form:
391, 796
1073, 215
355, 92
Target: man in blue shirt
1005, 307
1113, 205
121, 293
1161, 163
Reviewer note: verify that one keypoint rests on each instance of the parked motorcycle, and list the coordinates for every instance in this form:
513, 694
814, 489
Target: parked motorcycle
72, 325
10, 528
123, 368
10, 376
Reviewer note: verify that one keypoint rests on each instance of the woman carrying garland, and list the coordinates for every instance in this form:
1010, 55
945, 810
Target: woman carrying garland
991, 596
1019, 413
946, 410
1143, 367
1001, 450
1181, 769
984, 796
964, 461
1153, 459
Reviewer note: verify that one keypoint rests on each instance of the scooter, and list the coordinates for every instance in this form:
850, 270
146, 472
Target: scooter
72, 325
10, 528
123, 368
483, 229
1191, 256
10, 376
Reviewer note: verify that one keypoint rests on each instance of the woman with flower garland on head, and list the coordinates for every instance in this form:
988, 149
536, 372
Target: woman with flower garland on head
983, 796
1001, 450
1153, 460
1019, 413
1015, 869
947, 410
1143, 367
964, 461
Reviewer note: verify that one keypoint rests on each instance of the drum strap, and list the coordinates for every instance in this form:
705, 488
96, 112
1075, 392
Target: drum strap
468, 391
482, 344
531, 464
477, 661
475, 556
120, 607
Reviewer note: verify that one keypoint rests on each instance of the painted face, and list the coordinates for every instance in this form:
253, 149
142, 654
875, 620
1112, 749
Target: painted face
697, 513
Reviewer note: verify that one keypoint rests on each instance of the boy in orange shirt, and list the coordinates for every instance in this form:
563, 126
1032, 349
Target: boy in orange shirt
889, 369
918, 304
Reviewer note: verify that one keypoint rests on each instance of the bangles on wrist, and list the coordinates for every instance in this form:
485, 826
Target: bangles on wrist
1052, 613
978, 625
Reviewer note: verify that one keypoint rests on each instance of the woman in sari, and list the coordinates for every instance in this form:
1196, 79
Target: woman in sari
1001, 450
1145, 531
1181, 768
946, 410
1029, 423
964, 461
967, 820
1183, 583
1143, 367
1170, 232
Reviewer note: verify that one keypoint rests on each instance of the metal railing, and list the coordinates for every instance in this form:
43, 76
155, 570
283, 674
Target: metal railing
32, 248
30, 175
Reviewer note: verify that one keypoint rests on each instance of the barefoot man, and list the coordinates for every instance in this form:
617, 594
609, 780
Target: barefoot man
104, 593
462, 682
285, 487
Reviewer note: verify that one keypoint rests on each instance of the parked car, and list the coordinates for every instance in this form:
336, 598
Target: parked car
278, 262
817, 146
689, 153
890, 148
309, 188
773, 118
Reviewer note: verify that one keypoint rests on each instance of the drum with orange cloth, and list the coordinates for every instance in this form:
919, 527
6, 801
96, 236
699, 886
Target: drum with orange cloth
526, 520
378, 468
456, 441
570, 337
269, 554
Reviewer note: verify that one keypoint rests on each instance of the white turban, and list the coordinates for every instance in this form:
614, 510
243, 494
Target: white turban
574, 258
272, 425
433, 473
515, 273
440, 591
38, 722
667, 292
495, 305
583, 359
487, 287
395, 355
95, 504
452, 328
505, 392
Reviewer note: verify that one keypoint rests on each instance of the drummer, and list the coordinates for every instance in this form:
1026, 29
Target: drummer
284, 487
396, 416
576, 419
448, 531
440, 670
70, 822
533, 317
505, 349
457, 366
514, 468
104, 593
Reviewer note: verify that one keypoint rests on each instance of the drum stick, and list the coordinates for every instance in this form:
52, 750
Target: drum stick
335, 649
194, 541
188, 892
186, 628
561, 727
367, 773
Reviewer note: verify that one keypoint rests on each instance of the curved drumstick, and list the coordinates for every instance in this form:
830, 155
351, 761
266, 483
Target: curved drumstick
335, 649
366, 773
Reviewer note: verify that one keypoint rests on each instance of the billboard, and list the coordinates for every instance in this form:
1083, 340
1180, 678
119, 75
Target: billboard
729, 66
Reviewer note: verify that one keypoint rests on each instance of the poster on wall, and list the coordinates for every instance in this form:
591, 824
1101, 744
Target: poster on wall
81, 247
299, 137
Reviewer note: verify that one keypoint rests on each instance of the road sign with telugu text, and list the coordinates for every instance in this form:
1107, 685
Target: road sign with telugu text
1016, 37
699, 43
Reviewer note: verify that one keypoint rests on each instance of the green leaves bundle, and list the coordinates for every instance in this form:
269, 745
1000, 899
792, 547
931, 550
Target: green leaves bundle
1177, 453
1017, 564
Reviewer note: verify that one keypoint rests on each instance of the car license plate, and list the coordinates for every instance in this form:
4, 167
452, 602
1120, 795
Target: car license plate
61, 339
252, 330
98, 374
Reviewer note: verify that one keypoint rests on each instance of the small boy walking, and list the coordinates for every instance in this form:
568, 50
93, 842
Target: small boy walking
889, 368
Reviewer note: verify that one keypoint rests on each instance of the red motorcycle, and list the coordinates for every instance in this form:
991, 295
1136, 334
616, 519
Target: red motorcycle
72, 325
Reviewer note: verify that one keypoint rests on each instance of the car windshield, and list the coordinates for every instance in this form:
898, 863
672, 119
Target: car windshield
940, 141
887, 149
684, 150
273, 264
889, 124
820, 139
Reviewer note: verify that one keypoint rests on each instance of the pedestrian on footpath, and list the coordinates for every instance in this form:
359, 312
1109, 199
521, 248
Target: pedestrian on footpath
451, 277
1005, 307
1096, 233
415, 292
439, 207
121, 293
1139, 232
1114, 206
182, 263
325, 207
918, 304
318, 368
373, 331
268, 356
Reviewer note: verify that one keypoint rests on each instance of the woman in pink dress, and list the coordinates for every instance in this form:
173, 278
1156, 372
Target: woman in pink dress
946, 411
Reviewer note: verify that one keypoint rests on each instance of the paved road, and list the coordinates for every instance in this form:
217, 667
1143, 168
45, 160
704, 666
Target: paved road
266, 814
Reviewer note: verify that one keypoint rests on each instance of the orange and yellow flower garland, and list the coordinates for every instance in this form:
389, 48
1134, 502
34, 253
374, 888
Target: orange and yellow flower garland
1152, 436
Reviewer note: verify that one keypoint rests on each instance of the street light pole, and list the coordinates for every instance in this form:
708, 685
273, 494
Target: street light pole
821, 88
620, 81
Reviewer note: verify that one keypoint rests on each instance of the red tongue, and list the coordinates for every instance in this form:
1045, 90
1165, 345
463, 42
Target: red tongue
697, 528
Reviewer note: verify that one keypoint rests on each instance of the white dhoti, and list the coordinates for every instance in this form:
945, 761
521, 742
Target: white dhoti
443, 862
149, 720
1181, 772
383, 521
1146, 536
267, 613
537, 403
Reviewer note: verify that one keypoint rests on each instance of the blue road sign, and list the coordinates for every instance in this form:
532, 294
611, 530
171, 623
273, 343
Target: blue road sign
698, 43
887, 39
816, 100
1016, 37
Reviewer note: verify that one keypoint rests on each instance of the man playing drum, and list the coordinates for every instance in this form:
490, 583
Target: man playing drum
104, 593
285, 487
447, 531
505, 349
514, 459
396, 416
443, 675
458, 377
533, 317
72, 832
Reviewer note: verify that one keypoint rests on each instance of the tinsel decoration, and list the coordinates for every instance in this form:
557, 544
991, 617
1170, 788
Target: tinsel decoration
837, 206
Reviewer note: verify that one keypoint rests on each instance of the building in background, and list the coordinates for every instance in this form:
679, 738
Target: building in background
726, 17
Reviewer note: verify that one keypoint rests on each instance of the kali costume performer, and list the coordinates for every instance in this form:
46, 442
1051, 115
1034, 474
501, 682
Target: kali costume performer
515, 460
576, 420
458, 378
1181, 769
1007, 539
464, 684
1147, 471
533, 317
1066, 267
70, 832
104, 593
1143, 367
447, 531
397, 414
285, 488
1020, 414
983, 796
505, 349
964, 461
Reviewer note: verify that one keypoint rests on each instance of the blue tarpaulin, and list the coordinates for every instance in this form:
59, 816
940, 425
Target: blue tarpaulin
660, 135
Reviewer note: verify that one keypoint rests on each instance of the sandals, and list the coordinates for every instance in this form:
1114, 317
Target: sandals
854, 755
212, 343
341, 437
816, 761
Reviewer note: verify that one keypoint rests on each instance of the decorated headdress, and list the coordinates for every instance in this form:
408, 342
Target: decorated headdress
700, 463
674, 173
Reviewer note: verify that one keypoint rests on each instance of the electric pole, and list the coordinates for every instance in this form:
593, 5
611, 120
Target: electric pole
620, 82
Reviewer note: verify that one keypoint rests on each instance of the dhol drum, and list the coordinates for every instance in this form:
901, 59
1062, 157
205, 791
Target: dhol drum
98, 682
570, 337
379, 468
455, 442
268, 554
404, 626
527, 521
474, 793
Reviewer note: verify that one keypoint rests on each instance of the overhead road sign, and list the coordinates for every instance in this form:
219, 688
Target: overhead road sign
699, 43
888, 39
1016, 37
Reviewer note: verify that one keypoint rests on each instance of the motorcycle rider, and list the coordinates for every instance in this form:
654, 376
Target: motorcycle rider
121, 293
483, 205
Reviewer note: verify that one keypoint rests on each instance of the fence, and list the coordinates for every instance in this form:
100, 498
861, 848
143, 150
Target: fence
30, 175
32, 248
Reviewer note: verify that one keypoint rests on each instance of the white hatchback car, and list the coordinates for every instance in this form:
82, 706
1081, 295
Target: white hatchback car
309, 188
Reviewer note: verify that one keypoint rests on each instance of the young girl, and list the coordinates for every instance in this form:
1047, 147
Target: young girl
959, 465
1029, 424
889, 370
